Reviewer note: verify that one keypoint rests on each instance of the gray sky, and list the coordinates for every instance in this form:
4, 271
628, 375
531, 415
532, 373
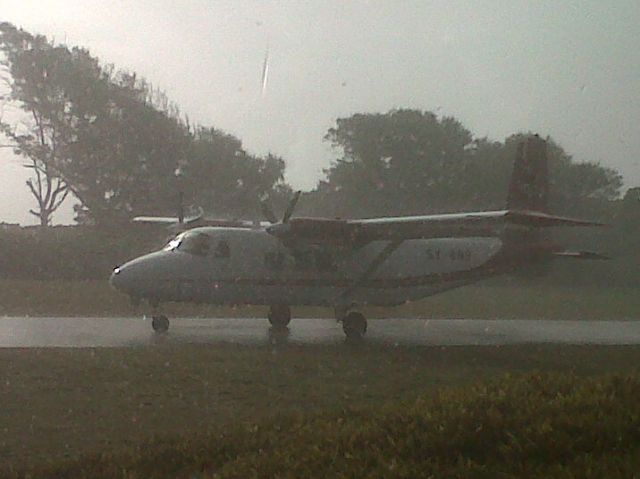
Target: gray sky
567, 69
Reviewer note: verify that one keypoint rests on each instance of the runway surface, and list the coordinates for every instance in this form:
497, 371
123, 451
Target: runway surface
119, 332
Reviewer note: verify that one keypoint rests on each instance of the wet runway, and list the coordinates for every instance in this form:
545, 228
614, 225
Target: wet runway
118, 332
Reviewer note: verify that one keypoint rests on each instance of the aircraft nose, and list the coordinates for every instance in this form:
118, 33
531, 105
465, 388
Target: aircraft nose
118, 279
130, 277
139, 277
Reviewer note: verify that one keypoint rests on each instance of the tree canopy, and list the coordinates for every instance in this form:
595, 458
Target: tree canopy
116, 143
410, 162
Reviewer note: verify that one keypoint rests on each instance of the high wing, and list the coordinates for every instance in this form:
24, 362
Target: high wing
169, 220
362, 231
156, 220
193, 221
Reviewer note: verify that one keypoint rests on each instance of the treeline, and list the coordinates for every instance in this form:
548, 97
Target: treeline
72, 252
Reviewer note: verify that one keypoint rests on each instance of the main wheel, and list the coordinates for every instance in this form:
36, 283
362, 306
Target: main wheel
354, 325
279, 316
160, 324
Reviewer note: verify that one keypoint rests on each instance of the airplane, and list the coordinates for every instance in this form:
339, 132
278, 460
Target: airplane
350, 263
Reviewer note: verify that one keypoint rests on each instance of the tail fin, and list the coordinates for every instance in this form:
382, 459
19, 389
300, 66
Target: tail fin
528, 205
529, 187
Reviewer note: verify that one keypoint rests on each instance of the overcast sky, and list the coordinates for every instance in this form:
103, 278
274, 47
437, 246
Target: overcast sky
569, 69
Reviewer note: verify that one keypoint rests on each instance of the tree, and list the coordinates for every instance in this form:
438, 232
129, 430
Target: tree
228, 181
412, 162
30, 61
401, 162
94, 131
115, 142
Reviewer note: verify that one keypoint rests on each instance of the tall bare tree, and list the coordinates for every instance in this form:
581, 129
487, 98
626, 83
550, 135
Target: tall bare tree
26, 59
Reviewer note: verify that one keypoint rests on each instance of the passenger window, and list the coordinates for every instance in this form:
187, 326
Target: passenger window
222, 249
194, 243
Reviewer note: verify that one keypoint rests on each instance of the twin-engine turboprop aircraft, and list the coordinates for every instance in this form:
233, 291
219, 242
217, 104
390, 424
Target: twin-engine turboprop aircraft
347, 264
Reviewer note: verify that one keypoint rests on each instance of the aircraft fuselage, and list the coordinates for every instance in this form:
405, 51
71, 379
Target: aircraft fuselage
250, 266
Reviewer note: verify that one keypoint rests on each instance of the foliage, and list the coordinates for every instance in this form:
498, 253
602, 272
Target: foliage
117, 143
412, 162
536, 425
71, 253
94, 129
31, 61
229, 182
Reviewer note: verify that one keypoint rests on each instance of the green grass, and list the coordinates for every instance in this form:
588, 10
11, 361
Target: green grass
152, 409
537, 425
482, 301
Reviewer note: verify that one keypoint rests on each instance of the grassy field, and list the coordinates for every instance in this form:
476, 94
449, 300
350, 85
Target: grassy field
189, 408
534, 426
482, 301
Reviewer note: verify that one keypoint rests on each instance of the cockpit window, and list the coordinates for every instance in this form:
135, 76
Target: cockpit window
173, 243
198, 244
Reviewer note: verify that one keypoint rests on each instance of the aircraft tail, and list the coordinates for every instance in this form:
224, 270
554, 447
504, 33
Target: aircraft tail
528, 205
529, 187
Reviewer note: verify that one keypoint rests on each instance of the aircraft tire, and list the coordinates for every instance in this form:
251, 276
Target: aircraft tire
279, 316
160, 324
354, 325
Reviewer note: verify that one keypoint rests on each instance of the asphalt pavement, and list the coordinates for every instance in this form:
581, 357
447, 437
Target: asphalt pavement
28, 332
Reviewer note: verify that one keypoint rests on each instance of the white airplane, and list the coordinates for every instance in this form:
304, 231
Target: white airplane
349, 263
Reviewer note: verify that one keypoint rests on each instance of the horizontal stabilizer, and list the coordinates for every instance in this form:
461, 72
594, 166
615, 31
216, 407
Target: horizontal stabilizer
581, 255
537, 219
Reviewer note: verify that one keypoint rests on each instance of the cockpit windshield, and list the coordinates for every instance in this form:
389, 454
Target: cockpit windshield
190, 242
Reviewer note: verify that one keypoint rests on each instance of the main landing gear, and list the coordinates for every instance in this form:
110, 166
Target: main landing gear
354, 324
279, 316
160, 323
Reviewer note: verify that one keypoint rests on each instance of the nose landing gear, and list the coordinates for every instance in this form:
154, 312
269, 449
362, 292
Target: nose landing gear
159, 322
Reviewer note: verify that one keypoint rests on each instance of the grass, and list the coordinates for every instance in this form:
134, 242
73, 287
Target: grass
148, 410
531, 426
482, 301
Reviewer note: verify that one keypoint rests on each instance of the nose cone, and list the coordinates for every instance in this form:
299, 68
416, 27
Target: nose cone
121, 279
148, 276
136, 276
115, 280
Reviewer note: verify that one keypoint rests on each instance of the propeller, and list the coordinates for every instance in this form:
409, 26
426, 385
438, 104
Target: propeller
180, 208
291, 207
270, 215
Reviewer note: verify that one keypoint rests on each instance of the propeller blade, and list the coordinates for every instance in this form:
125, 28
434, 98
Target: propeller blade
180, 207
291, 207
267, 212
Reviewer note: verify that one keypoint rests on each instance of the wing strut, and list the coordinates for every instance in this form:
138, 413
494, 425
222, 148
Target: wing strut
373, 267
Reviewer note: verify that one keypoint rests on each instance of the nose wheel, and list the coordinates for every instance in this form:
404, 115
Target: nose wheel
160, 324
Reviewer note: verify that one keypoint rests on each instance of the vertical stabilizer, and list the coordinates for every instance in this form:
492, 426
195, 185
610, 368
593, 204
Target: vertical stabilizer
529, 187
